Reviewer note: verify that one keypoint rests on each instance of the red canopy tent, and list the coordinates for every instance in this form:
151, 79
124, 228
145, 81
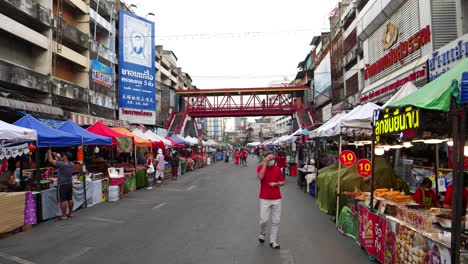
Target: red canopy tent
174, 144
99, 128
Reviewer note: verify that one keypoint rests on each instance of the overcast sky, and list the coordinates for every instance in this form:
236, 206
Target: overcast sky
237, 44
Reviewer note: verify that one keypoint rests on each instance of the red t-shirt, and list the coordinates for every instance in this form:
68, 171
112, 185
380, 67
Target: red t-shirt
272, 174
244, 154
448, 197
418, 196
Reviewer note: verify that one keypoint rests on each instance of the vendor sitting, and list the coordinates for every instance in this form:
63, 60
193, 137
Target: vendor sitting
425, 196
448, 195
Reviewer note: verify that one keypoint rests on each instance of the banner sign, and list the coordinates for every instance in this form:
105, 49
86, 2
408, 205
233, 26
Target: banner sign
137, 82
396, 121
364, 168
372, 230
447, 56
13, 152
101, 74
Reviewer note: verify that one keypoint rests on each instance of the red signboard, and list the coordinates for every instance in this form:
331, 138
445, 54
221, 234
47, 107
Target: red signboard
399, 53
347, 158
371, 233
364, 167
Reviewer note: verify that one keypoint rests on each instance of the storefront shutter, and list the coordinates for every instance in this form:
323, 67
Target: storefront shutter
444, 22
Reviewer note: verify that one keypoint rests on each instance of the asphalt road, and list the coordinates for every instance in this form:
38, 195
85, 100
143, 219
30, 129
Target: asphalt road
209, 216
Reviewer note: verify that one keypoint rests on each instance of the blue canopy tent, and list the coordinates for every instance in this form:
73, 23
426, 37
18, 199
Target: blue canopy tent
88, 137
47, 136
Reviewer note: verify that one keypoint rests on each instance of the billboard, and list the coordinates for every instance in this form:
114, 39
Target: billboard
137, 97
101, 74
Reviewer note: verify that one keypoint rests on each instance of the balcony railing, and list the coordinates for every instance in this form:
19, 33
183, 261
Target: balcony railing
31, 8
103, 52
72, 34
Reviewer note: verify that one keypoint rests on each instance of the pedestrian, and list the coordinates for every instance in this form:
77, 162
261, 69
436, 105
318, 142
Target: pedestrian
159, 167
271, 179
175, 164
281, 161
64, 183
149, 170
244, 157
260, 156
237, 157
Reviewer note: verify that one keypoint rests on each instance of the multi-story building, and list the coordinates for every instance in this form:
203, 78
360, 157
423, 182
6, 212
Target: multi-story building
283, 125
398, 37
322, 84
215, 128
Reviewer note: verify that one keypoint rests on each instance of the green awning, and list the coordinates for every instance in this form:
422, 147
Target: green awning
436, 95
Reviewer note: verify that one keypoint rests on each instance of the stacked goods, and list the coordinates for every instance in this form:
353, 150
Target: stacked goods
394, 196
12, 208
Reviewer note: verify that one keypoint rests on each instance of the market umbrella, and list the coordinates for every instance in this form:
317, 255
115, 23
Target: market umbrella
155, 137
88, 137
47, 136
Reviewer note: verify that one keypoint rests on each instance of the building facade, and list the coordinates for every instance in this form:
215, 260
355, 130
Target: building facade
215, 128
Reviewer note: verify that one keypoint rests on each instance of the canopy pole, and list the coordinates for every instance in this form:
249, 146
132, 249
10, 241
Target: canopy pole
38, 169
84, 178
339, 183
436, 173
458, 167
372, 167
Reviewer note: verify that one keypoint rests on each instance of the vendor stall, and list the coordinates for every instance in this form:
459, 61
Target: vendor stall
18, 208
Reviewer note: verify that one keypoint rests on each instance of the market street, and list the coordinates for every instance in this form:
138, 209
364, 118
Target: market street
208, 216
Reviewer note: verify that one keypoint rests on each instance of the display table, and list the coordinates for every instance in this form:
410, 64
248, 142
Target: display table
96, 192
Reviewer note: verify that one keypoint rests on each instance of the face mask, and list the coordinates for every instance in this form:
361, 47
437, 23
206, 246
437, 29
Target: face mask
271, 163
427, 189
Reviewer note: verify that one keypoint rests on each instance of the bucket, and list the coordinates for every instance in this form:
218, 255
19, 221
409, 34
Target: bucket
114, 193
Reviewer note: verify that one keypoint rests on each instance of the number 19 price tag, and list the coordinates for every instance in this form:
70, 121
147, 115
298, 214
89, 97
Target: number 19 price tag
347, 158
364, 168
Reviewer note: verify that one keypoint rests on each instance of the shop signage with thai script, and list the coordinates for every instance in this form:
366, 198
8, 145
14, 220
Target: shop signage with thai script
399, 53
101, 74
446, 57
396, 121
414, 76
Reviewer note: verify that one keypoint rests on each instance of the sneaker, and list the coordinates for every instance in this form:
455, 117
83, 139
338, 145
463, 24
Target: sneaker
149, 188
261, 238
275, 245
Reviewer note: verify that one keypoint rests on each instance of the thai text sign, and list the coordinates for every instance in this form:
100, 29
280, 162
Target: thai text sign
101, 74
396, 121
372, 232
446, 57
399, 53
137, 100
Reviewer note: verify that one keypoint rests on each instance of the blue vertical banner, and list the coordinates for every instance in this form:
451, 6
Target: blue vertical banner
137, 80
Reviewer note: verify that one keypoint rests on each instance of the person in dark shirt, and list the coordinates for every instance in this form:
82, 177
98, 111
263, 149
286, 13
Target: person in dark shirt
64, 183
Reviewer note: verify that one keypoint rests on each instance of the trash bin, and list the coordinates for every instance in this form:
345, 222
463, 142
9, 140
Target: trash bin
183, 167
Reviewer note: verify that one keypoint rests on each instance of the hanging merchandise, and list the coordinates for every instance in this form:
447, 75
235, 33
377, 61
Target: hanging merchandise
13, 152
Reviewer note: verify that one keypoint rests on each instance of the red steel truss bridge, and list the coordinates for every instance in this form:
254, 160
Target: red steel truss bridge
234, 102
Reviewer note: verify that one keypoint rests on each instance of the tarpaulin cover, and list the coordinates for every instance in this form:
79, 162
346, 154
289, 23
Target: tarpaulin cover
100, 129
12, 134
139, 142
88, 137
155, 143
436, 95
327, 181
47, 136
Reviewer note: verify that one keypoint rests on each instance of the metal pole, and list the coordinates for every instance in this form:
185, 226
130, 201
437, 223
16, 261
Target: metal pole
372, 166
339, 183
437, 170
38, 169
84, 180
457, 201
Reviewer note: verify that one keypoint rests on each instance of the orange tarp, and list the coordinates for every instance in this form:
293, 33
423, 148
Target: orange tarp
139, 142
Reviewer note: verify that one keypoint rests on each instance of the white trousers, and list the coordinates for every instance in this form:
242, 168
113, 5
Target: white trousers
272, 207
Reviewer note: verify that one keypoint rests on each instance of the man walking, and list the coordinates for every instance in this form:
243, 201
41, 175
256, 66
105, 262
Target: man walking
159, 167
244, 157
271, 179
64, 183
